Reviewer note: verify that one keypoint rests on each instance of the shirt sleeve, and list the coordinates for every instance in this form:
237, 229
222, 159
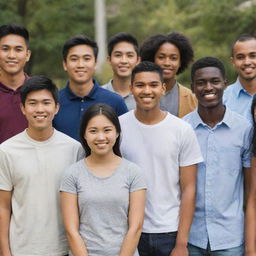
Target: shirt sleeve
5, 173
69, 181
137, 181
190, 152
247, 154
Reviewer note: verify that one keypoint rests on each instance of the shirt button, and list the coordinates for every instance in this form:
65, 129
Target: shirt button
82, 100
82, 109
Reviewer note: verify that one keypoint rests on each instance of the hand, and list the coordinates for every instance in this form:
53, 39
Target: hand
183, 251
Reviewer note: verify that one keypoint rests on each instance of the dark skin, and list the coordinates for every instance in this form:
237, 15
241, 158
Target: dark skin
208, 85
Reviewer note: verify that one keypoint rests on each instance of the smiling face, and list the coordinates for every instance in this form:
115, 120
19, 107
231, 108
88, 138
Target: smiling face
147, 90
100, 135
208, 86
80, 64
123, 59
244, 59
168, 58
40, 109
13, 54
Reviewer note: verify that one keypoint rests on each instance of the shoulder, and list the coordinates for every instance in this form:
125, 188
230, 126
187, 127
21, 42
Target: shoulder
230, 88
238, 120
184, 90
189, 116
127, 116
13, 141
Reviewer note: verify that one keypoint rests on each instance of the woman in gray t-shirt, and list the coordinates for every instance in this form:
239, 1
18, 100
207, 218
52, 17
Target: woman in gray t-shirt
102, 195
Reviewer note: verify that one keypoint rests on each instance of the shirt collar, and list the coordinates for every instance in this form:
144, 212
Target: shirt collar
239, 88
92, 94
5, 88
197, 121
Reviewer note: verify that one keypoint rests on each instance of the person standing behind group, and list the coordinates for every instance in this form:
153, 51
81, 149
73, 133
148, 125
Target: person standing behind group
123, 56
238, 96
224, 138
31, 167
166, 149
173, 53
14, 54
102, 195
79, 61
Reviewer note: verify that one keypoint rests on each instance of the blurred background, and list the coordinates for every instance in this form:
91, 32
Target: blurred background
211, 25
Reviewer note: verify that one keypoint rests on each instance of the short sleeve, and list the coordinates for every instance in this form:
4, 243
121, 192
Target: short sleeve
247, 154
137, 181
190, 152
69, 181
5, 173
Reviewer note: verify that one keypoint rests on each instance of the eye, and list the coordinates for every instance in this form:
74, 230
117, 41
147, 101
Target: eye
216, 81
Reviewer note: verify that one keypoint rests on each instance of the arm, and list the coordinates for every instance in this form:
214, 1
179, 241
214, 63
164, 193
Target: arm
135, 220
5, 218
187, 207
69, 207
250, 215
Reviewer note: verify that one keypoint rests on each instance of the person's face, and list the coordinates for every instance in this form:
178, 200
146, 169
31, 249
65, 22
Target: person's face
244, 59
168, 58
123, 59
40, 109
80, 64
100, 135
13, 54
208, 86
147, 90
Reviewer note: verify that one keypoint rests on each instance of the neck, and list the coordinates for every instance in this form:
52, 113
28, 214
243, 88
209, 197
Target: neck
81, 90
211, 116
102, 159
150, 117
249, 85
40, 135
12, 81
121, 85
169, 84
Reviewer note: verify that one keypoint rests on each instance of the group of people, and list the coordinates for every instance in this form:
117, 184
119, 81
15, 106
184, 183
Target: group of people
139, 166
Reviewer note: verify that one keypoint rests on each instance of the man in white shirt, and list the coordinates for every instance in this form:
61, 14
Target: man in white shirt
31, 166
166, 149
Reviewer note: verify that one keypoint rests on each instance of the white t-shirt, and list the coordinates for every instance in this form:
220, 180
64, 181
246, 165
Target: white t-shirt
160, 150
33, 171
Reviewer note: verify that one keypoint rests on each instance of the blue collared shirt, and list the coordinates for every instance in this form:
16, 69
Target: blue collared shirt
238, 99
72, 107
219, 216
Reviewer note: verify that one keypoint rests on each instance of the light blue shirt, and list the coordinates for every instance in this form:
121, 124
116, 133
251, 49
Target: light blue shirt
238, 99
219, 216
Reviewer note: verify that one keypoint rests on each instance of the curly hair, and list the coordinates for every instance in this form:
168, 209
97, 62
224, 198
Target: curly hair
151, 45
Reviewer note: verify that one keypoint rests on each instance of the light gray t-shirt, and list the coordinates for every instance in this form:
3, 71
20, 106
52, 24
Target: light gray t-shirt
103, 204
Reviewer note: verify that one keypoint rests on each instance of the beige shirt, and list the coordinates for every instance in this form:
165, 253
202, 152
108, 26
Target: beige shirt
33, 171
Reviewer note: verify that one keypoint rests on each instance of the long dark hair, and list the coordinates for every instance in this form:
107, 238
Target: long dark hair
110, 114
254, 125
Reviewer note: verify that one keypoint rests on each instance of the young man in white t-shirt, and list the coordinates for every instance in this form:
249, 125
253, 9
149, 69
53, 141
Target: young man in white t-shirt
31, 167
167, 150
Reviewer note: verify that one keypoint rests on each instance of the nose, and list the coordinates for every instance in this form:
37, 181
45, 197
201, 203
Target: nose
208, 86
247, 60
39, 108
11, 53
147, 89
81, 63
124, 59
100, 136
167, 62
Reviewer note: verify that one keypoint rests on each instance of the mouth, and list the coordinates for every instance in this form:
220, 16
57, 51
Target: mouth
123, 68
209, 96
11, 62
248, 69
41, 117
146, 98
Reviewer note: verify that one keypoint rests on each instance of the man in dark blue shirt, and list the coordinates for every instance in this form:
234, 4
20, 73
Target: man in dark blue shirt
81, 91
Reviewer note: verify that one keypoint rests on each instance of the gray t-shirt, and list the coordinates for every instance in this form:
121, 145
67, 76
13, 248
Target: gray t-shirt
103, 204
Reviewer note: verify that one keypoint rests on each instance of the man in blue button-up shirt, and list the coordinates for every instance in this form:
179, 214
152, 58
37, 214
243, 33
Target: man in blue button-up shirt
238, 96
223, 135
81, 91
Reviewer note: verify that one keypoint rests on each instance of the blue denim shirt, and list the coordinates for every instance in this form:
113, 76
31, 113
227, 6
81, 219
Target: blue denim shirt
219, 216
72, 107
238, 99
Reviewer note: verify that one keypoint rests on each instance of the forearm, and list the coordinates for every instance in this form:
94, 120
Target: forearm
76, 244
130, 242
4, 232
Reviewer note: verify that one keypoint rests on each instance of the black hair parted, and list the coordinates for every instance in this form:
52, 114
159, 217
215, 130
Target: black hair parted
15, 29
147, 66
207, 62
110, 114
79, 40
122, 37
151, 45
37, 83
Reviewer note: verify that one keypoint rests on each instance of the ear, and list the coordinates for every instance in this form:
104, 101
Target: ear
64, 65
28, 55
138, 60
57, 108
192, 87
232, 61
22, 108
108, 59
164, 88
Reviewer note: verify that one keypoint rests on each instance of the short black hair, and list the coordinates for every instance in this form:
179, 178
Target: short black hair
15, 29
110, 114
78, 40
122, 37
207, 62
151, 45
37, 83
147, 66
242, 38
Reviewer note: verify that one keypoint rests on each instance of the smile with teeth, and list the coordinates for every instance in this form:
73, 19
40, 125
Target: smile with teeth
209, 95
39, 117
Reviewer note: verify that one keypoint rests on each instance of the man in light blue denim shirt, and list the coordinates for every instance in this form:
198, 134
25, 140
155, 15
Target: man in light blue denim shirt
224, 138
238, 96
